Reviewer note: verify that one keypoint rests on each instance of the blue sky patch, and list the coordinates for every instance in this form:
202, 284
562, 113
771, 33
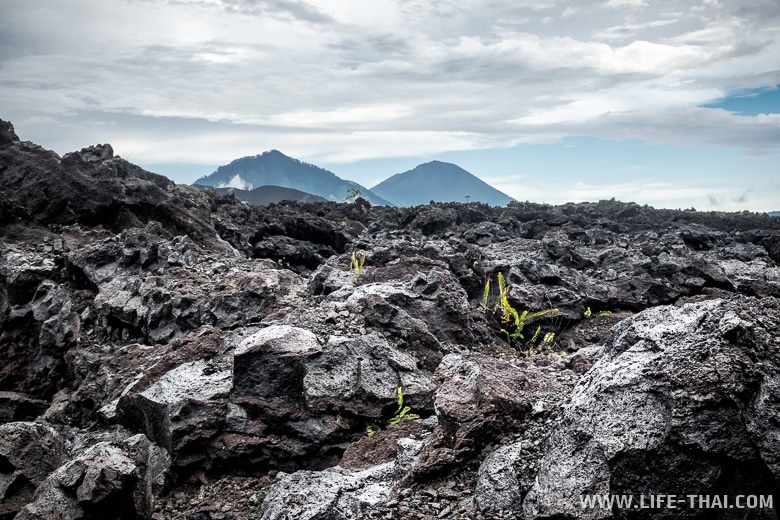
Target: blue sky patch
751, 102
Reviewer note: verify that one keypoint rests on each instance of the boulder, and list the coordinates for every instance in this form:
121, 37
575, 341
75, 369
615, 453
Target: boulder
181, 407
272, 362
679, 403
498, 488
361, 376
335, 494
479, 402
98, 484
29, 452
19, 407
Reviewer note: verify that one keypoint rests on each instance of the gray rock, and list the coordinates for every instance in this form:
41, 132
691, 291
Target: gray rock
477, 397
98, 483
153, 465
186, 398
479, 401
271, 362
19, 407
409, 451
29, 452
152, 289
497, 486
675, 405
333, 494
338, 493
362, 375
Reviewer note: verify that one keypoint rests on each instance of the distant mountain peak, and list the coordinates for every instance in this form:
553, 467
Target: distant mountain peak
276, 153
441, 182
274, 168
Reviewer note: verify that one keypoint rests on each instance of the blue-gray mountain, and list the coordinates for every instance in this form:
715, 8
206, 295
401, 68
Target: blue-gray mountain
440, 182
276, 169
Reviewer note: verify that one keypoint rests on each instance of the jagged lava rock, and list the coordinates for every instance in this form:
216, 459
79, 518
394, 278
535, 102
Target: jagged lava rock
272, 362
128, 305
29, 452
362, 376
680, 402
105, 481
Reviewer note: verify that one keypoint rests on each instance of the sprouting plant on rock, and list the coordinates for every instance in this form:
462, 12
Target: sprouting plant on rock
356, 266
512, 322
600, 314
352, 194
401, 414
546, 344
485, 296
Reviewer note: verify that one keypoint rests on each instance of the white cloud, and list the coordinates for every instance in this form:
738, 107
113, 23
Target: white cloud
657, 194
346, 80
236, 182
626, 3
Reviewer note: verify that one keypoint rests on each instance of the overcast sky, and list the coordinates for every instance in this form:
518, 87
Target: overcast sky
668, 103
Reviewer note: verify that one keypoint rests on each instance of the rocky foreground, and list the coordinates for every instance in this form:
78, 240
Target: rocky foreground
169, 353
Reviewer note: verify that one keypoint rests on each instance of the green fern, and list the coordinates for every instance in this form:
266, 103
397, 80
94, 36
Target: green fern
536, 334
511, 321
588, 313
485, 297
402, 413
352, 194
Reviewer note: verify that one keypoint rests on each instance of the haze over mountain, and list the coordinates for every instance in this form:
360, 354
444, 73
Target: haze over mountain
441, 182
276, 169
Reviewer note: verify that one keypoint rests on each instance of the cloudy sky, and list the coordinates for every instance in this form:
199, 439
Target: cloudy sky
669, 103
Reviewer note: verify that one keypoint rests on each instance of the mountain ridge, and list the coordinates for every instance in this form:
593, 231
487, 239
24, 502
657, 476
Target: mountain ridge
277, 169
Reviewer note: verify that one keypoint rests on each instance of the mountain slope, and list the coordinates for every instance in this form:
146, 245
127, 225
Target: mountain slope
441, 182
265, 195
275, 168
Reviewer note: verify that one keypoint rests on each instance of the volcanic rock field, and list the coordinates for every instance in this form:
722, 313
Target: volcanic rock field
169, 353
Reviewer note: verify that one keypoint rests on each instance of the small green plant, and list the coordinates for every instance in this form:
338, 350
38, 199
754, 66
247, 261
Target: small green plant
402, 413
356, 266
512, 322
588, 313
536, 335
485, 296
547, 342
352, 194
